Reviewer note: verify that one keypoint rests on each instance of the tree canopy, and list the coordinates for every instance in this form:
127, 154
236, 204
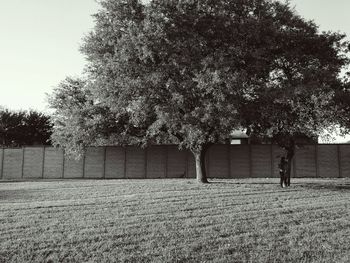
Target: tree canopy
300, 97
189, 72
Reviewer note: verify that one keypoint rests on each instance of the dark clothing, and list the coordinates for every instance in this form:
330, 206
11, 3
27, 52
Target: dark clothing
283, 166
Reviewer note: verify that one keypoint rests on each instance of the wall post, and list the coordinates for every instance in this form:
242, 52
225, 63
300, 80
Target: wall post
23, 150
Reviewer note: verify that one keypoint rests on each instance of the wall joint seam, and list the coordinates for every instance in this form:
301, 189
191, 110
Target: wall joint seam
23, 152
2, 164
43, 164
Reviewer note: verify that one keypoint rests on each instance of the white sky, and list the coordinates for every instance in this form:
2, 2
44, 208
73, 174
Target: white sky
39, 42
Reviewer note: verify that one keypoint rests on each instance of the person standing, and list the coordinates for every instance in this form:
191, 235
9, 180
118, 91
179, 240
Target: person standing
283, 165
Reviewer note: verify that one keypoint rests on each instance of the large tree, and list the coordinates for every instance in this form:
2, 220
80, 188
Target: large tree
178, 71
175, 71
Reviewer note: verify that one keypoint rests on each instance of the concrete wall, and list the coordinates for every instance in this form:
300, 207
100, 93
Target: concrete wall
166, 161
54, 163
12, 164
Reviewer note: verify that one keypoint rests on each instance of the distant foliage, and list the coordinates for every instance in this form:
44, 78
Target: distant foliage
20, 128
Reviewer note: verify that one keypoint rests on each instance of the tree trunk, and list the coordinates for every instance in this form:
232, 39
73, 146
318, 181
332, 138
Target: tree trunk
199, 156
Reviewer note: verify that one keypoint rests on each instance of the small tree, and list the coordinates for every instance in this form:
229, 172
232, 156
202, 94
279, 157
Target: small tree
78, 120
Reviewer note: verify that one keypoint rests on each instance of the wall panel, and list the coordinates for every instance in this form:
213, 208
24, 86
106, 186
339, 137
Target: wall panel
305, 161
176, 162
33, 162
327, 159
135, 162
239, 161
12, 166
345, 160
261, 161
156, 161
73, 168
115, 162
218, 161
94, 162
53, 165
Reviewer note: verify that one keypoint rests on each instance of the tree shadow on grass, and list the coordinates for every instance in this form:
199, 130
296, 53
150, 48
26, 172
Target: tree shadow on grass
243, 181
331, 186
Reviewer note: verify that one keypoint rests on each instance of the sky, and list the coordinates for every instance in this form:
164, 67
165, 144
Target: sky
40, 40
39, 47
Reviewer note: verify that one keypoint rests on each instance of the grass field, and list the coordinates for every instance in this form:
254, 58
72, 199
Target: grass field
248, 220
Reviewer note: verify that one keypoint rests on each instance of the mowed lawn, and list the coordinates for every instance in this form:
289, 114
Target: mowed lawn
247, 220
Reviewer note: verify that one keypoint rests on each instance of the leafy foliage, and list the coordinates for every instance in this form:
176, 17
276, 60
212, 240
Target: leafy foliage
19, 128
342, 100
78, 120
299, 97
172, 78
